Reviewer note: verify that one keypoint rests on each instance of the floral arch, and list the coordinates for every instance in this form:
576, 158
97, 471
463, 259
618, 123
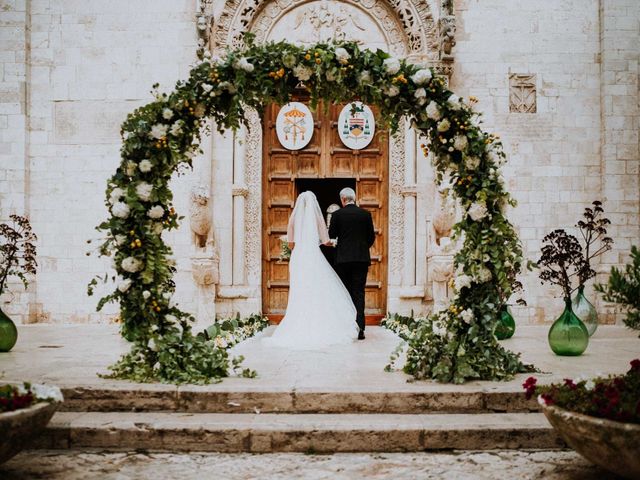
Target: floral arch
162, 137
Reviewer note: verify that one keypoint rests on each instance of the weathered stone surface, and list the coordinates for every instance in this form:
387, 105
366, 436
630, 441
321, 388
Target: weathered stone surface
259, 433
459, 465
19, 428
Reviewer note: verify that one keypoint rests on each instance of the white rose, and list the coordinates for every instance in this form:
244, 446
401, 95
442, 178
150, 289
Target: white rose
471, 163
176, 128
243, 64
444, 125
484, 275
302, 73
365, 77
392, 65
454, 102
433, 111
146, 294
467, 316
462, 281
120, 210
167, 113
421, 95
155, 212
439, 329
157, 228
171, 318
120, 239
145, 166
131, 265
124, 285
342, 55
116, 194
152, 345
158, 131
392, 91
143, 190
478, 211
206, 87
460, 142
421, 76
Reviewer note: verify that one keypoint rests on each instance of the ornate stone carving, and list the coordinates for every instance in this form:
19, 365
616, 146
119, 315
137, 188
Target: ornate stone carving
204, 27
253, 203
397, 160
408, 23
444, 218
522, 93
440, 249
447, 30
200, 215
205, 269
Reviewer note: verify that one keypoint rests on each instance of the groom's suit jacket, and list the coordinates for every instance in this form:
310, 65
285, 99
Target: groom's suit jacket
353, 227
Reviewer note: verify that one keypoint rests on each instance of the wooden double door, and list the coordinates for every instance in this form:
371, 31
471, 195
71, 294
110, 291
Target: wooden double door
324, 166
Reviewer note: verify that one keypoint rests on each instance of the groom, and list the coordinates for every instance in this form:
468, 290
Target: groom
353, 227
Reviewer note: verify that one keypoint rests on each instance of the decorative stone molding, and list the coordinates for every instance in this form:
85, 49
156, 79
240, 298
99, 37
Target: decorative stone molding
204, 27
205, 269
397, 161
253, 203
522, 93
240, 191
409, 191
409, 23
447, 35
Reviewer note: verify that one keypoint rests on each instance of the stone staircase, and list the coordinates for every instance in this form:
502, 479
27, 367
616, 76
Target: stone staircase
219, 419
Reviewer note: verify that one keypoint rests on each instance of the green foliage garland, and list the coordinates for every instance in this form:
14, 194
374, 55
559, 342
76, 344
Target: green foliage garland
161, 137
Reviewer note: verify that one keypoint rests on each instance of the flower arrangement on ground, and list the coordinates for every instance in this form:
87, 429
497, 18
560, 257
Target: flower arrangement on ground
227, 332
16, 397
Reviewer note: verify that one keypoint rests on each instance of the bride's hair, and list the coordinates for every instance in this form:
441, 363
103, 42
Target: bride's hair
348, 194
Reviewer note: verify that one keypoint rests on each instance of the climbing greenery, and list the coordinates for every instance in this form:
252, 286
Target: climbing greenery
162, 137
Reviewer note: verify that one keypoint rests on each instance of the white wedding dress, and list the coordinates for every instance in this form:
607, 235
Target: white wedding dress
320, 312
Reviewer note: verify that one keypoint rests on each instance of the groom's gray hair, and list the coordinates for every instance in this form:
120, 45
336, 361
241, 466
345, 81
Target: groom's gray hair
348, 194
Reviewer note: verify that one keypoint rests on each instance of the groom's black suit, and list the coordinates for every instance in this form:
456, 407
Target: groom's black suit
353, 227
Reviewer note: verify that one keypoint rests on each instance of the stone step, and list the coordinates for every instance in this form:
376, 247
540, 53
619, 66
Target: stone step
211, 432
209, 399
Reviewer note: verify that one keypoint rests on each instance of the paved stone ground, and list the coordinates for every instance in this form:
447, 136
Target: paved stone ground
495, 465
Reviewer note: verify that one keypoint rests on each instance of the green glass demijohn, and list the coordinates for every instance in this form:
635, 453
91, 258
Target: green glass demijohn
568, 336
506, 326
8, 333
585, 311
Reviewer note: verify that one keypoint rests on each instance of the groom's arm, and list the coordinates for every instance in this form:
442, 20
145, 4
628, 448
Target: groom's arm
333, 229
371, 234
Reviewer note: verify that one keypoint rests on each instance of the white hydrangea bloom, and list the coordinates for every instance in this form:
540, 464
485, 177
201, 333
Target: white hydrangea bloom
155, 212
124, 285
167, 113
159, 130
421, 77
433, 111
478, 211
145, 166
392, 65
467, 316
460, 142
439, 329
462, 281
342, 55
444, 125
471, 163
120, 210
116, 194
302, 72
131, 264
143, 190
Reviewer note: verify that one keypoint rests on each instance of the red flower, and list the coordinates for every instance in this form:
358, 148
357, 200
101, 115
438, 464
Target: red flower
635, 364
530, 387
569, 383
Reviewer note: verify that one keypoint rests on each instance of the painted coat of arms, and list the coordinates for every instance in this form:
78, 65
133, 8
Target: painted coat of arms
294, 126
356, 125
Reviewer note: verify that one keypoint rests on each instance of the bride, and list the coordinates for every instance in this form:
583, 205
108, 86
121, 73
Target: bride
319, 311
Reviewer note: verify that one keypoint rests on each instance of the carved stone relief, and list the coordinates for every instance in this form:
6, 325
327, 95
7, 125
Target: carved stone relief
522, 93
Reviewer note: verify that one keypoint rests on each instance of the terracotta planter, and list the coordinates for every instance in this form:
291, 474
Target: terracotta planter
20, 427
614, 446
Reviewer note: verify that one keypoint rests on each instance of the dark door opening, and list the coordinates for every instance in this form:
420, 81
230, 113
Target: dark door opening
327, 190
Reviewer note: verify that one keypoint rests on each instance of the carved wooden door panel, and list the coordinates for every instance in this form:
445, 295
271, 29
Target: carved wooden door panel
326, 157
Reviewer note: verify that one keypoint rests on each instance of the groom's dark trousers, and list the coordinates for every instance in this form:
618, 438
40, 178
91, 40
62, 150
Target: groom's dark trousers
353, 227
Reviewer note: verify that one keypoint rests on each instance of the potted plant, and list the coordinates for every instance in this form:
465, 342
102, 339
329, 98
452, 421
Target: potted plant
562, 260
24, 412
593, 230
599, 418
624, 288
17, 258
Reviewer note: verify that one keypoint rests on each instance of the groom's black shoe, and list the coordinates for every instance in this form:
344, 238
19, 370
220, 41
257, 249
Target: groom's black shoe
361, 335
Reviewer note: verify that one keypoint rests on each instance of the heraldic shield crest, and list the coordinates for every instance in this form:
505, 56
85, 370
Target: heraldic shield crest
294, 125
356, 125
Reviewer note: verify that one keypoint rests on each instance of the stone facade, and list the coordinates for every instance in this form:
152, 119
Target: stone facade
71, 70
